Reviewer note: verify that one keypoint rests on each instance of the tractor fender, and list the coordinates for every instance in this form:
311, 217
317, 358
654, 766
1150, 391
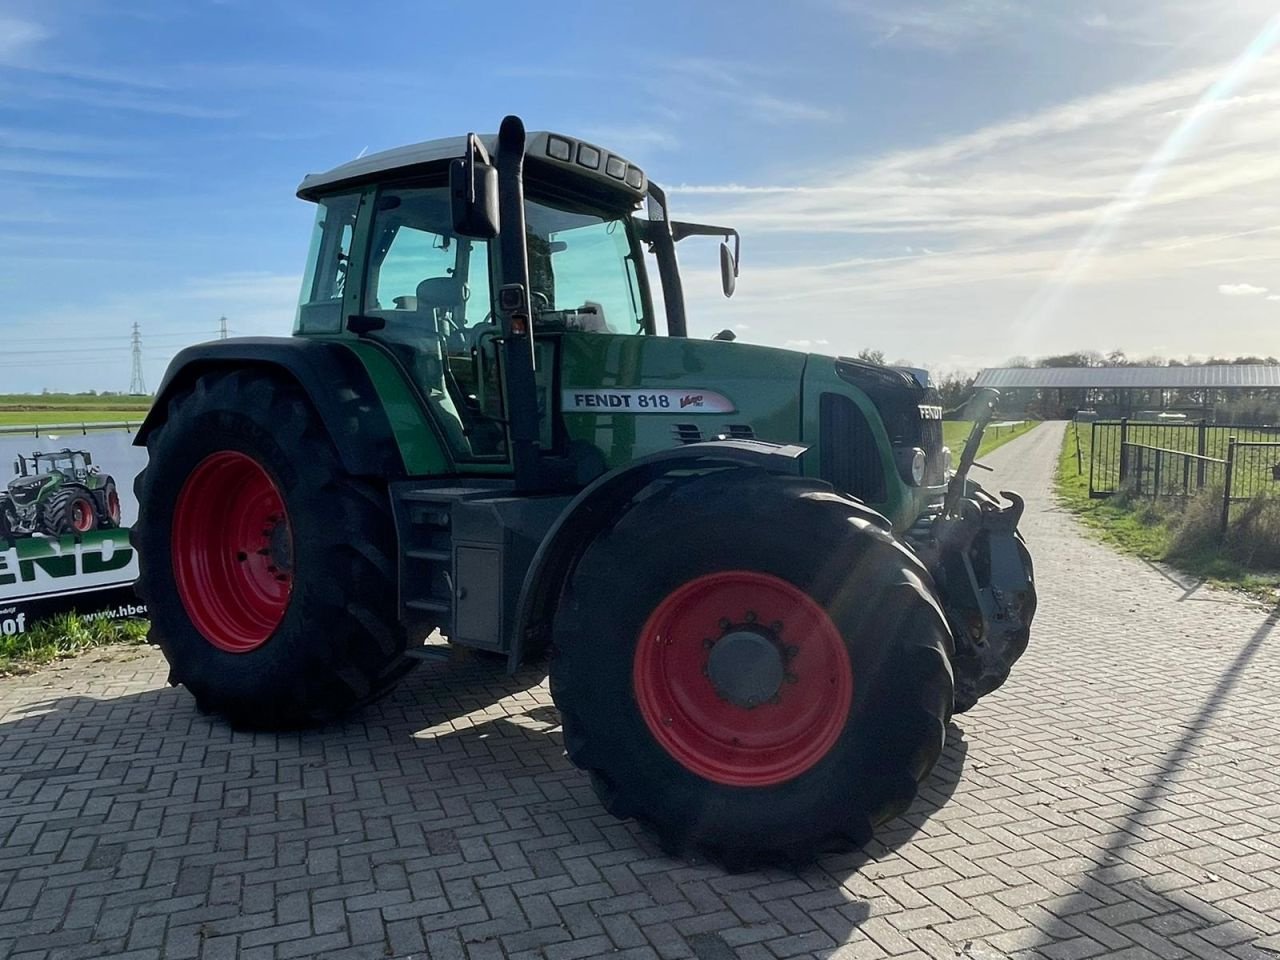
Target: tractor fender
332, 376
594, 508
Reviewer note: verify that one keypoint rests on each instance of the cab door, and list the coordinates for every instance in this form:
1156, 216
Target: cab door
427, 296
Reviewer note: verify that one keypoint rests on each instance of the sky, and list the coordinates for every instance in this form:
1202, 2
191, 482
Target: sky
953, 183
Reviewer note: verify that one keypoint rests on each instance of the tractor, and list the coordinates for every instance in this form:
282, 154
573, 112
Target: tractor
58, 493
758, 582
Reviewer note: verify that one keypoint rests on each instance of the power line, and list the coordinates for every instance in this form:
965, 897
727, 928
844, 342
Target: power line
137, 384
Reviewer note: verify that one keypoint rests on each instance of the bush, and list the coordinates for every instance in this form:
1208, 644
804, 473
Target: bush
1253, 533
1195, 530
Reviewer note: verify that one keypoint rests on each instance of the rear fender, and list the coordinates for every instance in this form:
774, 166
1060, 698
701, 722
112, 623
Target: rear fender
332, 377
593, 510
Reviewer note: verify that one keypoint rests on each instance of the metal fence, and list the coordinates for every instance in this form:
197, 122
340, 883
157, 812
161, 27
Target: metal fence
1196, 449
1148, 471
1183, 459
39, 429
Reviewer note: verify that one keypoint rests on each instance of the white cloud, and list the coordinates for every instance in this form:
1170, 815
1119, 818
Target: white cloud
773, 109
1274, 296
935, 24
749, 88
631, 137
16, 36
1099, 221
947, 26
1240, 290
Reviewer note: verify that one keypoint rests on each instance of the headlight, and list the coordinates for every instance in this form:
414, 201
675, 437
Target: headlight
911, 463
947, 461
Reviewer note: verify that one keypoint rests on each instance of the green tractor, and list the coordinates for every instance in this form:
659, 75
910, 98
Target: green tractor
56, 494
761, 586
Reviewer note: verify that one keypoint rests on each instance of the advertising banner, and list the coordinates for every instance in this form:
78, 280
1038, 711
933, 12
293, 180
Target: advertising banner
66, 504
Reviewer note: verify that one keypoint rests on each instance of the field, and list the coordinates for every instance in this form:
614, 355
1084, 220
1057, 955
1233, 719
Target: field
37, 410
956, 432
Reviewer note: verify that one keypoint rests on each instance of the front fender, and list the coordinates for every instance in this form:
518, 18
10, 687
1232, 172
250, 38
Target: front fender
593, 509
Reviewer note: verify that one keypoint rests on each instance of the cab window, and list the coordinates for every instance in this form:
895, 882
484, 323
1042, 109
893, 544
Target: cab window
583, 270
323, 284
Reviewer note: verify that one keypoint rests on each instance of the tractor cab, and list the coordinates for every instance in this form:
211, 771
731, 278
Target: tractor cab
70, 464
471, 299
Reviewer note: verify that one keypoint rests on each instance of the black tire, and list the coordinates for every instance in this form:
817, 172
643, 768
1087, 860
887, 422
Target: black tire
69, 510
878, 595
106, 497
338, 644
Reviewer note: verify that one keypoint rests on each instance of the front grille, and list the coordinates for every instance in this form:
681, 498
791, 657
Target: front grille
26, 493
849, 459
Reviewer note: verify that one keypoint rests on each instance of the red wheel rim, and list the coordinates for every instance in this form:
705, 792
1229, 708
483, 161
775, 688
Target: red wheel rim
759, 742
232, 552
81, 515
113, 507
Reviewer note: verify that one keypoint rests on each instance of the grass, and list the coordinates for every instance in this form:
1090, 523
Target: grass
956, 432
1184, 535
18, 409
62, 636
37, 418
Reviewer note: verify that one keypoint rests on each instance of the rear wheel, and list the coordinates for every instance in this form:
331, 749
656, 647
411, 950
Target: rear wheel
108, 499
268, 572
753, 666
70, 510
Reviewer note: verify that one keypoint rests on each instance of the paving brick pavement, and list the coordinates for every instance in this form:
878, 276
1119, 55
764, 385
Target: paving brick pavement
1118, 797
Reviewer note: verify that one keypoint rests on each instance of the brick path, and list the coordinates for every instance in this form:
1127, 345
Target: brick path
1118, 797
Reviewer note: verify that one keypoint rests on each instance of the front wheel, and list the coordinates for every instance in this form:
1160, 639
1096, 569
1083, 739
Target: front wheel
753, 666
70, 510
268, 572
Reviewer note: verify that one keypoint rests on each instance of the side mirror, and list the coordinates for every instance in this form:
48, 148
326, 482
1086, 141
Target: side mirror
728, 270
473, 193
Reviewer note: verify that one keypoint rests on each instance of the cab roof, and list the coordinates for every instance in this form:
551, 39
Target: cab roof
582, 157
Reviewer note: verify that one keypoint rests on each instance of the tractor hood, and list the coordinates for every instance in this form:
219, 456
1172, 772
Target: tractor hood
26, 489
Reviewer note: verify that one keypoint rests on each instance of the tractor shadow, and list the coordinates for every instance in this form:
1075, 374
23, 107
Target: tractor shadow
1162, 913
459, 772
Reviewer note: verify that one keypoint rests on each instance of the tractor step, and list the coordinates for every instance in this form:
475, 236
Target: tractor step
432, 653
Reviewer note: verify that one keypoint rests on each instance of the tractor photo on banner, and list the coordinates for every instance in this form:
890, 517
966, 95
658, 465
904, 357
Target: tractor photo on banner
66, 504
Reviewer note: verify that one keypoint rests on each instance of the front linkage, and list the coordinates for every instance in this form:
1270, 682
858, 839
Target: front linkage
984, 575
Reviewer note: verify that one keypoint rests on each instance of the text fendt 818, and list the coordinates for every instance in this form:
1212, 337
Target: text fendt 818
762, 588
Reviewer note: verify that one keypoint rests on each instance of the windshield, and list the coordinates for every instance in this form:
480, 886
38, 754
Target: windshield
583, 269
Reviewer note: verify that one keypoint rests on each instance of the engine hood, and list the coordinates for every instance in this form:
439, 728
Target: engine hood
25, 489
